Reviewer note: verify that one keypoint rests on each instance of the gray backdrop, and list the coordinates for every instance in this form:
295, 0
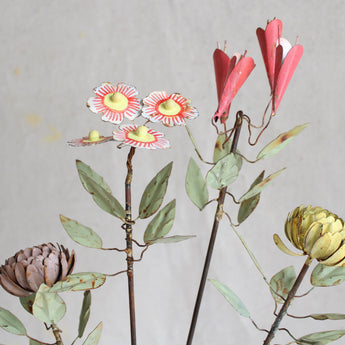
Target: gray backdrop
53, 54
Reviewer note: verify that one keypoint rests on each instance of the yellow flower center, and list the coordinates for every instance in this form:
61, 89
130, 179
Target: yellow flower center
94, 135
169, 107
141, 134
116, 101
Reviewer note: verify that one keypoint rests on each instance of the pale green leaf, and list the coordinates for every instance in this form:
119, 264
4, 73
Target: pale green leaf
281, 283
221, 149
94, 337
327, 275
154, 193
81, 233
161, 224
100, 191
48, 306
27, 302
84, 313
79, 282
231, 297
11, 323
280, 142
249, 205
254, 190
224, 172
195, 185
323, 338
329, 316
86, 170
172, 239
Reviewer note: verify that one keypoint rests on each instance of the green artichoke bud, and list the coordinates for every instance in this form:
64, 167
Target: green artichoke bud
317, 232
25, 271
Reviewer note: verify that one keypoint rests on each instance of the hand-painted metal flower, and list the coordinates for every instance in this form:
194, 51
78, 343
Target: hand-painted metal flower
170, 110
24, 272
93, 139
115, 102
280, 59
230, 76
141, 137
319, 233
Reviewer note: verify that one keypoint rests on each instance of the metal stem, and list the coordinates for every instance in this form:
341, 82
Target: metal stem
217, 218
129, 251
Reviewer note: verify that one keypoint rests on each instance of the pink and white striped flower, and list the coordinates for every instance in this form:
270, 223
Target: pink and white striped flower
141, 137
115, 102
93, 139
170, 110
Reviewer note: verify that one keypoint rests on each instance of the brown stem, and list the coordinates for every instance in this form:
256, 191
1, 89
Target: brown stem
217, 218
57, 335
129, 251
287, 302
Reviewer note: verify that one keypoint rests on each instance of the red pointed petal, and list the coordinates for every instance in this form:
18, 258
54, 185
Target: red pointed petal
268, 41
286, 71
234, 82
221, 66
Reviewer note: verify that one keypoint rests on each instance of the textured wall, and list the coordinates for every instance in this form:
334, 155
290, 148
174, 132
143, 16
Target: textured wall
54, 52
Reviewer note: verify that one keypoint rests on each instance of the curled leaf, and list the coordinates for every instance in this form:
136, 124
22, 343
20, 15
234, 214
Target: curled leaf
84, 313
321, 338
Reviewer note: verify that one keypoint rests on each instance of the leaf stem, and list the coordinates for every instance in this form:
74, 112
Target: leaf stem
217, 218
129, 251
287, 302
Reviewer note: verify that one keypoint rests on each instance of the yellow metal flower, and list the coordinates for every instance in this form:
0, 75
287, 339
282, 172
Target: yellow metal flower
317, 232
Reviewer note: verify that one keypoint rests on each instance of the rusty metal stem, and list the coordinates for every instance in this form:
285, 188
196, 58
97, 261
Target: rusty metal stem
217, 218
287, 303
57, 335
129, 251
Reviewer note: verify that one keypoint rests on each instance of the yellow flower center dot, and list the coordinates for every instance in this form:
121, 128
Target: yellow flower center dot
94, 135
141, 134
169, 107
116, 101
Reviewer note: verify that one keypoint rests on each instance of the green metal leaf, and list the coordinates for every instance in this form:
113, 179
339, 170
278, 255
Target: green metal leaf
195, 185
154, 193
11, 323
321, 337
100, 191
248, 206
86, 170
280, 142
161, 224
281, 283
330, 316
254, 190
94, 337
48, 307
80, 282
221, 151
27, 302
84, 313
172, 239
327, 275
231, 298
81, 233
224, 172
